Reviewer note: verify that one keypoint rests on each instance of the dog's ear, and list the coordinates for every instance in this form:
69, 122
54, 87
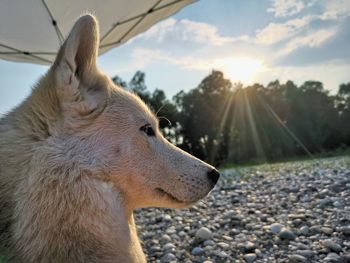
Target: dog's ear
79, 51
75, 66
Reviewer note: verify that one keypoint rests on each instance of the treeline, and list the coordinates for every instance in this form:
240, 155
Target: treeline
221, 122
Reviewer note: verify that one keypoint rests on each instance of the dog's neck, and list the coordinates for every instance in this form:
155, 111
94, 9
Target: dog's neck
127, 231
136, 248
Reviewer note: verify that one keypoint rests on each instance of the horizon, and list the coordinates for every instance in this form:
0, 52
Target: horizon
278, 39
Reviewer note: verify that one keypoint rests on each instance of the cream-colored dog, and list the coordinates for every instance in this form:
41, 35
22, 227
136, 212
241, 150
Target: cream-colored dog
78, 156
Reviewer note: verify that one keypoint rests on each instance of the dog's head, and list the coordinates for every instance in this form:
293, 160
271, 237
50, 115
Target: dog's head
116, 135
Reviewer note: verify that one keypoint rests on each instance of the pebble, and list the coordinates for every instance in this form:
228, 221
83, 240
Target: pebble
276, 228
167, 218
222, 254
332, 245
287, 234
315, 229
204, 234
345, 230
304, 230
247, 247
209, 243
168, 246
305, 253
297, 258
223, 245
332, 257
249, 258
345, 258
327, 230
197, 251
168, 258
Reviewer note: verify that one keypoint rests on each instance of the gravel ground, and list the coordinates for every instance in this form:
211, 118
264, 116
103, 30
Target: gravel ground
290, 212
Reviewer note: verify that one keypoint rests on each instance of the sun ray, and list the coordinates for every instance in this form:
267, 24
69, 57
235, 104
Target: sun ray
226, 108
285, 127
240, 69
252, 123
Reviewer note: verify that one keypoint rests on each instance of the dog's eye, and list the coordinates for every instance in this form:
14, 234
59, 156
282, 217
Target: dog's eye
148, 130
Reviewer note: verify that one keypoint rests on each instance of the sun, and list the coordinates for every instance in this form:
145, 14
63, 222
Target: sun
241, 69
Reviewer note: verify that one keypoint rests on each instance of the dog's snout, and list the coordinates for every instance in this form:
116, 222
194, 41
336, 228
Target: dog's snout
213, 176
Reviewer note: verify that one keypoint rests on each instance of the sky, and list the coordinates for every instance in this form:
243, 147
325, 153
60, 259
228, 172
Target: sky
251, 41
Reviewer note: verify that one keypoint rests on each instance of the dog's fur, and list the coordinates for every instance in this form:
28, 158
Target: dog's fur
74, 164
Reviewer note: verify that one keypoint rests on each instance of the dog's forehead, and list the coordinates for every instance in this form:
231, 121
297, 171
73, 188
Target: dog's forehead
127, 105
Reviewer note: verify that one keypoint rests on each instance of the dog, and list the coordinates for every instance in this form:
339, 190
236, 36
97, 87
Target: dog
78, 156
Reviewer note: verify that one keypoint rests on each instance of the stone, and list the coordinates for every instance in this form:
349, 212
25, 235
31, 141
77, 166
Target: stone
276, 228
337, 204
327, 230
249, 258
168, 246
304, 230
328, 243
197, 251
315, 229
323, 203
332, 257
171, 231
286, 234
222, 254
209, 243
155, 249
167, 218
229, 215
204, 234
168, 258
247, 247
223, 245
345, 230
345, 258
305, 253
297, 258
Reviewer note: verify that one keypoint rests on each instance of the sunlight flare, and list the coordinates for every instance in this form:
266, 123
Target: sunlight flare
241, 69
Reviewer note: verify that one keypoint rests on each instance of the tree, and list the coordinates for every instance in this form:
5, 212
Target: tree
342, 104
200, 116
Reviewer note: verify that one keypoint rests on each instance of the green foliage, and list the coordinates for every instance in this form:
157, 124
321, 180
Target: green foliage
2, 259
223, 122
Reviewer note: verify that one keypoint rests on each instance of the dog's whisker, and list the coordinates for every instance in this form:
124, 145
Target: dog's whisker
165, 118
160, 108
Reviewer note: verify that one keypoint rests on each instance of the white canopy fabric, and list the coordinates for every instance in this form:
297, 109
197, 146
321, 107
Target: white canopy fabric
33, 30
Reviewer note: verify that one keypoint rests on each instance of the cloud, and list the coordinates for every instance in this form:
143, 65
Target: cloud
276, 32
336, 9
186, 30
202, 33
160, 30
323, 45
285, 8
312, 40
329, 11
141, 57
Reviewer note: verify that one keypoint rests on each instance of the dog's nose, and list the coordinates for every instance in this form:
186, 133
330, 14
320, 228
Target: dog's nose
213, 176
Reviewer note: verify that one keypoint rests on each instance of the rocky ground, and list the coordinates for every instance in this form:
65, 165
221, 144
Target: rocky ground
290, 212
